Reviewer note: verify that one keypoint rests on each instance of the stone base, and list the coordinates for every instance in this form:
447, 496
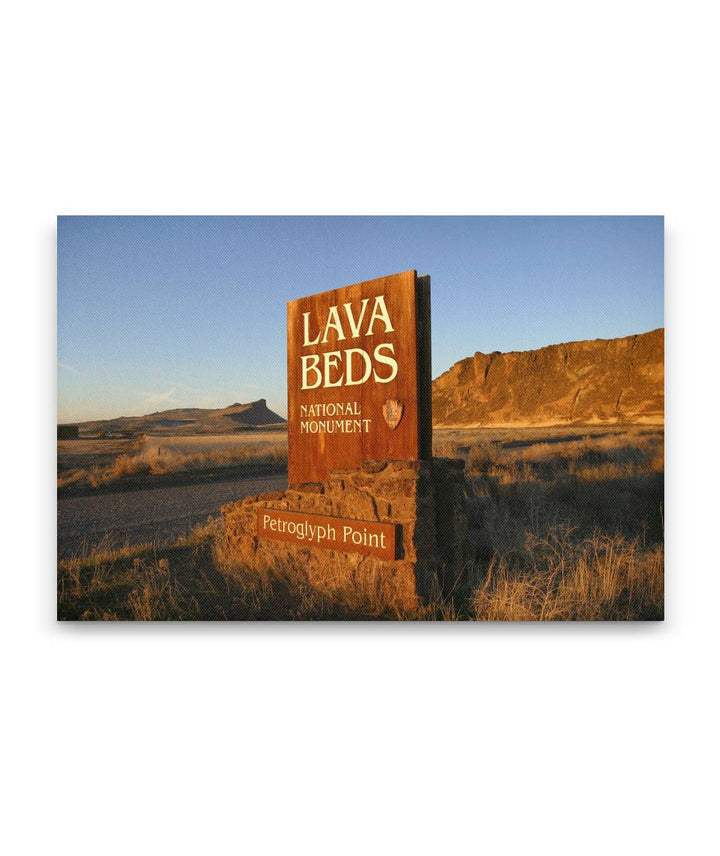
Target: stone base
427, 498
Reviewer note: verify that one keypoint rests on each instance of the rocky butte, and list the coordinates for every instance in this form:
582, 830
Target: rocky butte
613, 381
189, 421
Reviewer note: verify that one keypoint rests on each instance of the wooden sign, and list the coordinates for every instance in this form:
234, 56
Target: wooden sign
329, 533
359, 377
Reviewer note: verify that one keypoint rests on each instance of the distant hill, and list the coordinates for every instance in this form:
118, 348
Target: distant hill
192, 420
591, 382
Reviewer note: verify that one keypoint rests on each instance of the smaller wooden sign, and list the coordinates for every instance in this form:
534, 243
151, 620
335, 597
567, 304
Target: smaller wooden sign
329, 533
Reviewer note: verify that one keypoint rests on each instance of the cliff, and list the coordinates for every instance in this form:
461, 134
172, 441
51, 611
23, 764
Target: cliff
589, 382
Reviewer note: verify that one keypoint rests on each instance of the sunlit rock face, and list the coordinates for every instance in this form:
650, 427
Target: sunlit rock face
614, 381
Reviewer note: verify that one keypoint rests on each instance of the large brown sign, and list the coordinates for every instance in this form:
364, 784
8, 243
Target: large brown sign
359, 377
329, 533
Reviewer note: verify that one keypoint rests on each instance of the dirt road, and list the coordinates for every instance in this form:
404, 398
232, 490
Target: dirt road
141, 516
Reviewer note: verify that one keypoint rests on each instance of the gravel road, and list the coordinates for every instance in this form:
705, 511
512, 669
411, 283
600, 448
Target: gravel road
156, 514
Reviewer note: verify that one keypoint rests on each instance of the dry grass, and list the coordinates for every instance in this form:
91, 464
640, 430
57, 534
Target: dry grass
191, 581
540, 454
566, 525
601, 578
93, 464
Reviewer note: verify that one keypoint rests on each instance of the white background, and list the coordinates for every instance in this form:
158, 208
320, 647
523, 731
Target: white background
344, 738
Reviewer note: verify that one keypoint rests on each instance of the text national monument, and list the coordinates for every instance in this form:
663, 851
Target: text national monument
367, 505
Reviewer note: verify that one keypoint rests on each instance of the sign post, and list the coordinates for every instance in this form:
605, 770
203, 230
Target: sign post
359, 376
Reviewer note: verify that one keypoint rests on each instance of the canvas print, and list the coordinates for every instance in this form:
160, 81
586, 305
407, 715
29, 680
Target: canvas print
360, 418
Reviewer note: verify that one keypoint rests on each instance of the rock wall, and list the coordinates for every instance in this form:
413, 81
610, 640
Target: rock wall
590, 382
427, 498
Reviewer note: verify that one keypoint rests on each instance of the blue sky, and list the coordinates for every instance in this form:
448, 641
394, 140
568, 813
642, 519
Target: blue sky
162, 312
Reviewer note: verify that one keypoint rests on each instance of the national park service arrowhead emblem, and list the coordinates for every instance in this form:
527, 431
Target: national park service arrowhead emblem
393, 411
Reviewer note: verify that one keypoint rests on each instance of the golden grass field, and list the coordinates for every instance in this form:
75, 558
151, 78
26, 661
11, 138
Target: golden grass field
95, 463
566, 524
